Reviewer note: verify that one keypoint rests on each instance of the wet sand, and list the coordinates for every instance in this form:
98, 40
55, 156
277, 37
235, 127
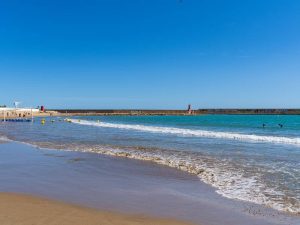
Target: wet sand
110, 184
16, 209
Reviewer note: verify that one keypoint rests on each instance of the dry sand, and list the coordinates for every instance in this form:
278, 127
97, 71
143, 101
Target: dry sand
19, 209
23, 114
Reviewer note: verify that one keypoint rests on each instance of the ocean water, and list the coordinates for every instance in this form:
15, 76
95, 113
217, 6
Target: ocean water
234, 154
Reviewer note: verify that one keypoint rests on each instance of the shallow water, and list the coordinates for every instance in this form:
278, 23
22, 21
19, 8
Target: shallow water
125, 185
234, 154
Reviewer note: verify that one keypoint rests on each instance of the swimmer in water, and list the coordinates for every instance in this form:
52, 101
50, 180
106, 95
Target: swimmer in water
264, 125
280, 125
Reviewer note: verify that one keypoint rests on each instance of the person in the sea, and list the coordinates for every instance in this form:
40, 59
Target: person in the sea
264, 125
280, 125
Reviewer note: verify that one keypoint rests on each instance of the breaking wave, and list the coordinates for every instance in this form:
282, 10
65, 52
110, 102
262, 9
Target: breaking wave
229, 181
4, 139
195, 133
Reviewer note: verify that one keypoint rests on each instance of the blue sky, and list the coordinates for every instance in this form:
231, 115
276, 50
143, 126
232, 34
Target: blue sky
150, 53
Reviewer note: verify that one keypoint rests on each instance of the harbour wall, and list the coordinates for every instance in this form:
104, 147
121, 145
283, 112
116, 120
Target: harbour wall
177, 112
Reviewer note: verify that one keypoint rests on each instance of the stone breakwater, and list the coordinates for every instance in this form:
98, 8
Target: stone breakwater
82, 112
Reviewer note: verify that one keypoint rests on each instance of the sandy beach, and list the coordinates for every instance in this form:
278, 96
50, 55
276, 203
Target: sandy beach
17, 209
19, 114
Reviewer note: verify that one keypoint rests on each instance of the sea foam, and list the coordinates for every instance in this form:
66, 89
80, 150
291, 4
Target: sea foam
229, 181
3, 139
194, 133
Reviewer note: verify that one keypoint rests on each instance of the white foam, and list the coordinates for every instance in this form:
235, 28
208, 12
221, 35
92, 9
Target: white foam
195, 133
4, 139
229, 181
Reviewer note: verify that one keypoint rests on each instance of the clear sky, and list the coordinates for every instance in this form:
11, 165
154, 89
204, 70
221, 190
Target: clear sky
150, 53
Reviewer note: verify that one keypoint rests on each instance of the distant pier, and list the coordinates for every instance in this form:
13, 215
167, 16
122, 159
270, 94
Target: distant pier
177, 112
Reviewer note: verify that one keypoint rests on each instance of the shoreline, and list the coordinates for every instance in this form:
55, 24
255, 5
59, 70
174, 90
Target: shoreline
128, 192
157, 161
23, 209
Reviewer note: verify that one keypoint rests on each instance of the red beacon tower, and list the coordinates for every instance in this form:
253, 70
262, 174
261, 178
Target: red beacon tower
189, 110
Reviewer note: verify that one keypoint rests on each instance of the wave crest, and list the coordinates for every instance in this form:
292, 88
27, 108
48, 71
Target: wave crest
194, 133
3, 139
229, 181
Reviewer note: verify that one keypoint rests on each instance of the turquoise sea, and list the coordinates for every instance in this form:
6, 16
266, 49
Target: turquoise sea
235, 154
